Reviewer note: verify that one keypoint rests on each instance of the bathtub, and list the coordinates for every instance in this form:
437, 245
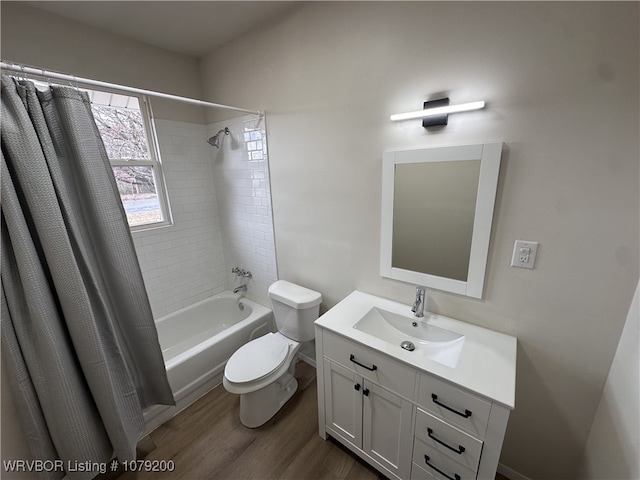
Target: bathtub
198, 340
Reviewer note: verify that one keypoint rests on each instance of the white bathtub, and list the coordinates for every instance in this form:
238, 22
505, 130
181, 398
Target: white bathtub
198, 340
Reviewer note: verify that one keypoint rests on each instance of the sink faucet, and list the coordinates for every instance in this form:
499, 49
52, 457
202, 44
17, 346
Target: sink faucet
241, 288
418, 305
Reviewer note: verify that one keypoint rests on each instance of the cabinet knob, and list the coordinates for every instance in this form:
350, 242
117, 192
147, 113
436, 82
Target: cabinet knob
365, 392
357, 386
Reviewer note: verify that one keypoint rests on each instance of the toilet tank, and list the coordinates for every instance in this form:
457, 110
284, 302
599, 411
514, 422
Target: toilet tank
295, 308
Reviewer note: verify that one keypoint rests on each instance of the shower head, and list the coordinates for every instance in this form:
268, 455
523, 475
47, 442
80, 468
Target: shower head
215, 140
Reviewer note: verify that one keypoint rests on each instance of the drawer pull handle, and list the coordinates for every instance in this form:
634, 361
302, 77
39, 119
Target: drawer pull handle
466, 414
455, 475
458, 450
353, 359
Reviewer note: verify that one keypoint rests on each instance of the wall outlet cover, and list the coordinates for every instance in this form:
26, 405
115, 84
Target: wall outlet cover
524, 254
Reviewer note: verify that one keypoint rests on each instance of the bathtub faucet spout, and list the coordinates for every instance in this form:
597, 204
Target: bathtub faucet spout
241, 288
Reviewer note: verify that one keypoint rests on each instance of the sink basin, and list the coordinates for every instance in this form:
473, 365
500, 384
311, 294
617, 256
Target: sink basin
382, 324
436, 343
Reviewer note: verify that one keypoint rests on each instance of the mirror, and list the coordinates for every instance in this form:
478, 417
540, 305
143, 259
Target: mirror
437, 210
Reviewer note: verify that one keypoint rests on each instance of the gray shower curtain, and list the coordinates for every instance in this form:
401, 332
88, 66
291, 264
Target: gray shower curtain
78, 339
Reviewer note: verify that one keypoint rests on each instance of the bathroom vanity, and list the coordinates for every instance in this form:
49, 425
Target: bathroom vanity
436, 407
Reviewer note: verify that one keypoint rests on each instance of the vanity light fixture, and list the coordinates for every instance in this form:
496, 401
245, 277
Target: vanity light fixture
436, 112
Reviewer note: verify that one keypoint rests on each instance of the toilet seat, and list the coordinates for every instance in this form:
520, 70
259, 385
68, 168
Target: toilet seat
257, 359
262, 371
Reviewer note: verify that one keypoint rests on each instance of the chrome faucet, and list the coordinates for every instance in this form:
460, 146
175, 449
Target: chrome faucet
418, 305
241, 288
241, 272
246, 276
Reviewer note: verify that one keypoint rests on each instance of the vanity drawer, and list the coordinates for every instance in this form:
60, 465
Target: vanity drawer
419, 473
372, 365
439, 465
448, 440
456, 406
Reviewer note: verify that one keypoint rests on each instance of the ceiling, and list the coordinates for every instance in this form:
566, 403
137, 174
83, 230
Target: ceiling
192, 28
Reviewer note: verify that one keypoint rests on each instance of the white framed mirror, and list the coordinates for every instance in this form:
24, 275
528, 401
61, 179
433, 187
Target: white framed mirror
437, 211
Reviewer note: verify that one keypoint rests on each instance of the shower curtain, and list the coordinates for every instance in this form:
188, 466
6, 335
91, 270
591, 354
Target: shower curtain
79, 342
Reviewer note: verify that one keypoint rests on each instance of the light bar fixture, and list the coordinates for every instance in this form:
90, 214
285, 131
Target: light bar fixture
435, 112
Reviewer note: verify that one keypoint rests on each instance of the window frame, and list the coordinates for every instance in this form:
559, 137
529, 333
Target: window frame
155, 160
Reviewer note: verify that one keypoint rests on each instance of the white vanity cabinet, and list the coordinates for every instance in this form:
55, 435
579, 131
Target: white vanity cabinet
414, 414
404, 422
361, 407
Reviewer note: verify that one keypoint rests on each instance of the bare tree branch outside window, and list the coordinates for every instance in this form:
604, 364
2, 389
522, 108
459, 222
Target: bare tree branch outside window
124, 137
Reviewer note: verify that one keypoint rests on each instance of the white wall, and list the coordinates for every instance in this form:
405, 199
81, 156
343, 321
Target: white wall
613, 446
561, 84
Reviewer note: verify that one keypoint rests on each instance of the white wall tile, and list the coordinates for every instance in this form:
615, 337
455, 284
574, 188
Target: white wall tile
184, 262
241, 179
220, 202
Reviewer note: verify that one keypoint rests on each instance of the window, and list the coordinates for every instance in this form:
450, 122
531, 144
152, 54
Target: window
124, 123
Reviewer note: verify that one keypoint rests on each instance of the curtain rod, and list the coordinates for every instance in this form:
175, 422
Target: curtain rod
72, 78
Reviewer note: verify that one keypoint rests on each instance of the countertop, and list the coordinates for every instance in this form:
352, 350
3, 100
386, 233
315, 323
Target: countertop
487, 362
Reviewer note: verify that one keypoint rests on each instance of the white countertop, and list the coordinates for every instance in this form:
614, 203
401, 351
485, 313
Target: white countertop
487, 363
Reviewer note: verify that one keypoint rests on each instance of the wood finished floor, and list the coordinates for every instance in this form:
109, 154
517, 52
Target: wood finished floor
207, 441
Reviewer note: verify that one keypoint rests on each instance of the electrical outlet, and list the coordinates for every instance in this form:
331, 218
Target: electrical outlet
524, 254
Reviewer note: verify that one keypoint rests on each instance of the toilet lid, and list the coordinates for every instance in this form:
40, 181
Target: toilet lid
257, 359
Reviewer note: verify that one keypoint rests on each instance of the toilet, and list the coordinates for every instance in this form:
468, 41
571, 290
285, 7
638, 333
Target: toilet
261, 371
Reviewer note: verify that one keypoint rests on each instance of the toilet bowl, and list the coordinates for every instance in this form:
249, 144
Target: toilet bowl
261, 371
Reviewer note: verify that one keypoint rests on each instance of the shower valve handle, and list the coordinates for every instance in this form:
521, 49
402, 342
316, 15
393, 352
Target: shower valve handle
241, 272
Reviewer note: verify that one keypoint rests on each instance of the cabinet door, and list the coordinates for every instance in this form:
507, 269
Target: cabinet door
387, 428
343, 402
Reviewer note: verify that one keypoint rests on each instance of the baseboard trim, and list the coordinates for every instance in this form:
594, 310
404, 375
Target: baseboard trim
510, 473
307, 359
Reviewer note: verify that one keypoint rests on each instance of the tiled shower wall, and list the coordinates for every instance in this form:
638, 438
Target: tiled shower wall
183, 263
241, 179
221, 208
